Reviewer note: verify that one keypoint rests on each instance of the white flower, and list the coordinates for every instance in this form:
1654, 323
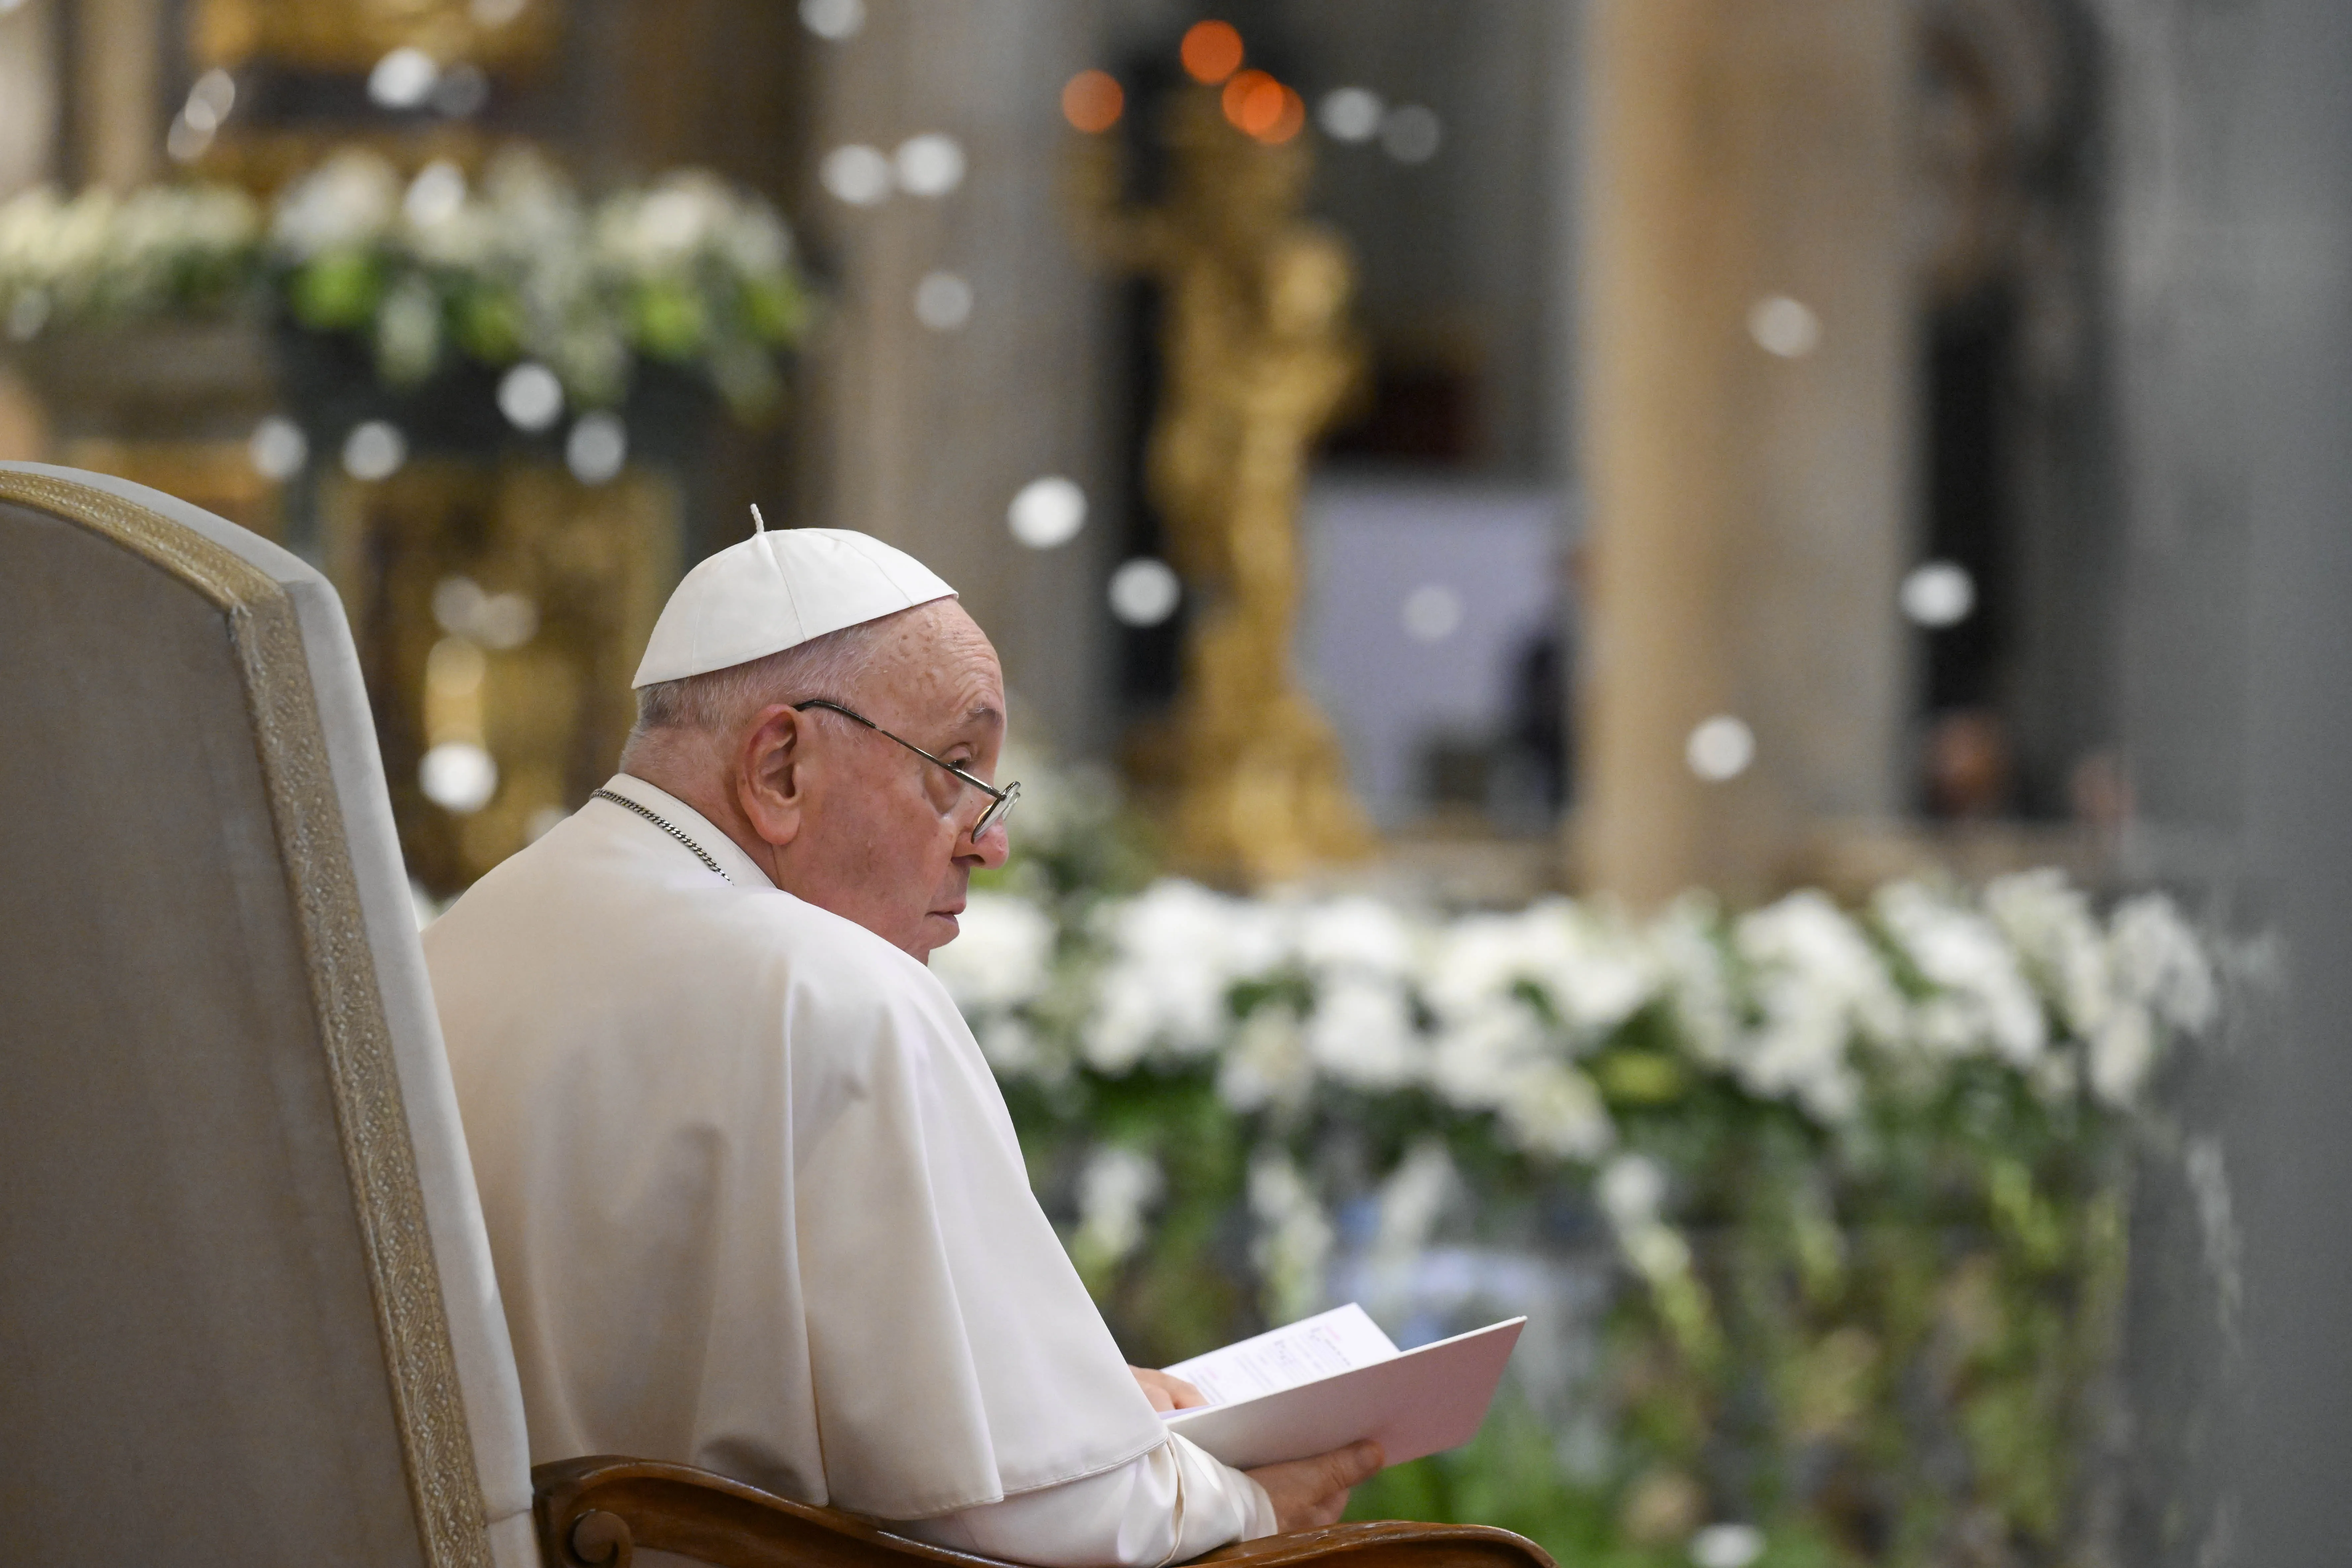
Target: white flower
1632, 1188
1481, 959
1477, 1060
1553, 1109
1695, 977
1356, 934
2122, 1049
1115, 1190
1003, 955
2159, 964
1985, 1001
2058, 942
1594, 972
1177, 949
1818, 986
1266, 1064
1362, 1034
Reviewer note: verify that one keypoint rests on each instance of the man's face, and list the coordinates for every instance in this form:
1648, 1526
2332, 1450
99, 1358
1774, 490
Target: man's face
884, 841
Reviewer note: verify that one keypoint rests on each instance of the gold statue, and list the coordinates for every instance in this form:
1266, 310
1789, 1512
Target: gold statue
1258, 356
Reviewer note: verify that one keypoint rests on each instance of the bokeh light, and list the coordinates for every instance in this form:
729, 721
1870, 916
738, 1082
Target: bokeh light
403, 79
1350, 114
833, 19
529, 396
597, 447
1938, 593
1144, 592
943, 302
459, 777
375, 450
856, 174
931, 164
1412, 134
278, 448
1255, 102
1048, 512
1784, 326
210, 99
1720, 748
1432, 613
462, 91
1093, 101
1289, 122
1212, 51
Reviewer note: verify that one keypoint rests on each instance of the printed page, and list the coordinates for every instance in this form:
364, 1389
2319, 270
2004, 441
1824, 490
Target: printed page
1338, 1340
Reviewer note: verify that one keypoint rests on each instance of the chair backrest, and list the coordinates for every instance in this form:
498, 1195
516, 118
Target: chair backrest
246, 1312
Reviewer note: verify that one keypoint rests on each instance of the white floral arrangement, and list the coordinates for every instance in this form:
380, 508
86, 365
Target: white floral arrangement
99, 255
1863, 1170
437, 267
1495, 1012
1508, 1016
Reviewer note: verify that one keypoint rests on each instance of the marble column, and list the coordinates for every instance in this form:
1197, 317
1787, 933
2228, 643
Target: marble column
1746, 421
924, 435
117, 53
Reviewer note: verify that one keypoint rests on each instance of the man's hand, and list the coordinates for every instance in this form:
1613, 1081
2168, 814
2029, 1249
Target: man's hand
1168, 1393
1310, 1492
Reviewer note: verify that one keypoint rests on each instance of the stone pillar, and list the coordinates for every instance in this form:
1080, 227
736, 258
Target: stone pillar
924, 436
1746, 418
29, 95
118, 48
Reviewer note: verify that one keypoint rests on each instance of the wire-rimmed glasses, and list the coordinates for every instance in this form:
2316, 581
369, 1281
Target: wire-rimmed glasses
1000, 801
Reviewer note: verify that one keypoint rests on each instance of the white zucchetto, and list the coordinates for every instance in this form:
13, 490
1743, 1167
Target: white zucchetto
776, 590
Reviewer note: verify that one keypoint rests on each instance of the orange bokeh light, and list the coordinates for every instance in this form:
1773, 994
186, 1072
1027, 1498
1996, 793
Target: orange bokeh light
1212, 51
1288, 123
1093, 102
1254, 101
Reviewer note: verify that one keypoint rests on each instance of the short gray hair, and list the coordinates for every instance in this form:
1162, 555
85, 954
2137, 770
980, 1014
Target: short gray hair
718, 701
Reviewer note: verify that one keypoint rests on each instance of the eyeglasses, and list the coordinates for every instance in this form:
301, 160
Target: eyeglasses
1000, 801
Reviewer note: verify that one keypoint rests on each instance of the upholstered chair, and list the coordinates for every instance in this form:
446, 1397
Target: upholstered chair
247, 1308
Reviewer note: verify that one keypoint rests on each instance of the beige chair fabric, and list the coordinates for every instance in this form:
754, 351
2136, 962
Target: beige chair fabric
246, 1311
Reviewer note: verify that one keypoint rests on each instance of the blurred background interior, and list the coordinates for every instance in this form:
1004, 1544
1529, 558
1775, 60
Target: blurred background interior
1501, 499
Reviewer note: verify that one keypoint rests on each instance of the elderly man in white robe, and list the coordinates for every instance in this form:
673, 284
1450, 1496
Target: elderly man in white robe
754, 1199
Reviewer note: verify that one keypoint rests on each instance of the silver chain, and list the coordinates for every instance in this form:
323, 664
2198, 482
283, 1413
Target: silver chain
699, 853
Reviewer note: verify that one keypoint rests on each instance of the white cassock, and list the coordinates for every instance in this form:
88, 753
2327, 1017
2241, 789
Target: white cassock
756, 1205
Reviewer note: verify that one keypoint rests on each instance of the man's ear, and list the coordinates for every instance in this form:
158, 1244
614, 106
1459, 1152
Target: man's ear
770, 785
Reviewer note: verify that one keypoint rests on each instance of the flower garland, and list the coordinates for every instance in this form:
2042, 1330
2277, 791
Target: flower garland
516, 267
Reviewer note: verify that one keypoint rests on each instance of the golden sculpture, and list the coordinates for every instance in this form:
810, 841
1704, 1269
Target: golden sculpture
1258, 356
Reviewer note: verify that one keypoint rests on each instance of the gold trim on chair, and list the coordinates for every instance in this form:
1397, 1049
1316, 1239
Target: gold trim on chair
372, 1122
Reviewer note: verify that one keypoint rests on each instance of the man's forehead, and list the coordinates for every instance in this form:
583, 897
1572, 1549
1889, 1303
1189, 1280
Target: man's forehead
945, 664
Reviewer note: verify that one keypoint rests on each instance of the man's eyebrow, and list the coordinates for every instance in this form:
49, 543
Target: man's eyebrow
984, 713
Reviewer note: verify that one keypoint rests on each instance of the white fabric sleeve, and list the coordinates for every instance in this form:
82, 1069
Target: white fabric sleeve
1167, 1505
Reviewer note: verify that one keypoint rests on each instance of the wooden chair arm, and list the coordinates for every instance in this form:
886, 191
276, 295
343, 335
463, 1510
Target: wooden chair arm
593, 1512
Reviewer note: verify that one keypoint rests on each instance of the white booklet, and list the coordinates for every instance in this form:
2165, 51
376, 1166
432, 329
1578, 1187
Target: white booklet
1333, 1379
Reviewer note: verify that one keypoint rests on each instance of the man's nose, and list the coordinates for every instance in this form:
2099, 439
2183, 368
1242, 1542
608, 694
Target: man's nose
991, 848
